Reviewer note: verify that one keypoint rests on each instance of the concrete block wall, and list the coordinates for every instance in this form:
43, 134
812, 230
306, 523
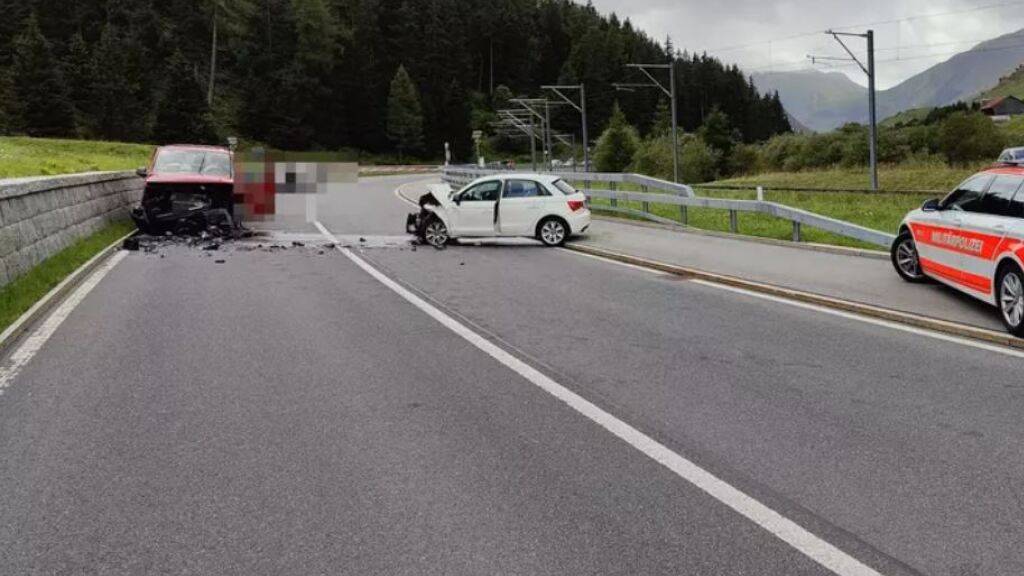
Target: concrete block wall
40, 216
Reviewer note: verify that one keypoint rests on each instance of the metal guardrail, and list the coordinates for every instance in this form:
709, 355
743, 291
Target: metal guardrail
683, 196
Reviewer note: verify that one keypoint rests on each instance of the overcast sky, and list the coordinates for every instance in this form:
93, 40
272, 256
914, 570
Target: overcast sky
911, 35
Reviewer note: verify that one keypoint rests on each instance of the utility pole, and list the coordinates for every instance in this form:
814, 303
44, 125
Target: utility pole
670, 92
582, 109
533, 146
547, 135
213, 56
869, 70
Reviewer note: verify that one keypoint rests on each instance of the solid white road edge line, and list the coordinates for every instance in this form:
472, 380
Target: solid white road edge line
28, 349
783, 528
841, 313
616, 262
868, 320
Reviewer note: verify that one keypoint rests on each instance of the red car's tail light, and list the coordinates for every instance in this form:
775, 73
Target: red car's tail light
576, 205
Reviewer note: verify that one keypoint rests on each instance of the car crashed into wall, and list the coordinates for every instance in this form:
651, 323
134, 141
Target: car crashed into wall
189, 190
540, 206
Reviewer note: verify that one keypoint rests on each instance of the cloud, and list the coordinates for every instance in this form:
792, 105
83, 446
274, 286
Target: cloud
911, 35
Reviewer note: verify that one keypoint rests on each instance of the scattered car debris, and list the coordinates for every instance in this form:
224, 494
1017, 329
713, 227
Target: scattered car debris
298, 244
131, 243
219, 261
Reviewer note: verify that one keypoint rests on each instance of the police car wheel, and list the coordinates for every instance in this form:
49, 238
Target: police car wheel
905, 259
1010, 298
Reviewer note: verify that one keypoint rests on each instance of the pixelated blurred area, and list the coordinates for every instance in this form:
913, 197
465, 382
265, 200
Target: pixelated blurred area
260, 176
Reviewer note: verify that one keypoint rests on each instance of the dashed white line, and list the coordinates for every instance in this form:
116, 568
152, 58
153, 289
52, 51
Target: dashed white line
783, 528
31, 346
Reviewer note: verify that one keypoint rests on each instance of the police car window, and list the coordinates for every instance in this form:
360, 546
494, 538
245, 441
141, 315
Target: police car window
1000, 192
967, 196
483, 192
523, 189
1016, 206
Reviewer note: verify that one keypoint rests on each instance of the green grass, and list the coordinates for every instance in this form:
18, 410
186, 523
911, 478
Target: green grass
936, 176
1012, 85
20, 294
21, 156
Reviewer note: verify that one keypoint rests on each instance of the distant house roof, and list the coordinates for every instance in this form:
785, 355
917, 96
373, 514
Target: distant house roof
997, 102
991, 104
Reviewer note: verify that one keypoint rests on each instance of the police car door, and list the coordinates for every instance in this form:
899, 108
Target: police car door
984, 227
939, 234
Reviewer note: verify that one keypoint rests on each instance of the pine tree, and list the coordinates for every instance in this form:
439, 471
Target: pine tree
122, 96
617, 145
662, 123
183, 115
405, 117
40, 105
80, 76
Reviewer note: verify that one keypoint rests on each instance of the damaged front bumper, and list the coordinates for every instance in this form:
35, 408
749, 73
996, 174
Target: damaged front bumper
185, 209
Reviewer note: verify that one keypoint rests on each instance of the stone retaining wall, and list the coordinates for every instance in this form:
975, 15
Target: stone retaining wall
40, 216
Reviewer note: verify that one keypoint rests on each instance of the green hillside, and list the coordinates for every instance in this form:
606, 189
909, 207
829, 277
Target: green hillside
1012, 85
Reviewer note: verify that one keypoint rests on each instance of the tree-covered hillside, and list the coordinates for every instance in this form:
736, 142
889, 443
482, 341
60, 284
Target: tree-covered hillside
318, 74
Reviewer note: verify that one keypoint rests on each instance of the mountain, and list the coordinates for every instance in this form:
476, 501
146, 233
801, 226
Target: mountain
825, 100
818, 100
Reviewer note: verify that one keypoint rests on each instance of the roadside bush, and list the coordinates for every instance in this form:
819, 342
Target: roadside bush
698, 162
654, 157
744, 159
778, 149
969, 136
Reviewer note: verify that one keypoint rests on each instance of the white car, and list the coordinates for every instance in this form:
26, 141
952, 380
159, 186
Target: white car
527, 205
972, 240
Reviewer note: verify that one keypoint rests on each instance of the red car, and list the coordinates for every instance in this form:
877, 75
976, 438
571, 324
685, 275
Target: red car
189, 188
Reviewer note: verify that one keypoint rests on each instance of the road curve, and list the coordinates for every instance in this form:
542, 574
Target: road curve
285, 413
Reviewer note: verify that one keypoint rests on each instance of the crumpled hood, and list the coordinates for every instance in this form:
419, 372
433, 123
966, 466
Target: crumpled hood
437, 194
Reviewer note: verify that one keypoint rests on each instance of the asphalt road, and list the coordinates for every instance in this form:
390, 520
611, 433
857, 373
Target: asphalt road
283, 412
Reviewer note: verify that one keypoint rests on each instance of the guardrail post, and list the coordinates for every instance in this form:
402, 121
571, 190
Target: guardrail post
613, 187
646, 205
682, 214
797, 237
734, 226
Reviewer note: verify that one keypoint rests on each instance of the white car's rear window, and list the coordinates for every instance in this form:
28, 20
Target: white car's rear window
564, 187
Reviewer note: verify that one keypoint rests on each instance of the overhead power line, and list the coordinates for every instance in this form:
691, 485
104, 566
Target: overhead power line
909, 18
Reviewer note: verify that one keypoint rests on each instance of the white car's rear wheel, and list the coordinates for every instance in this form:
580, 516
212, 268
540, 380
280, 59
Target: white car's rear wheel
1010, 298
553, 232
435, 233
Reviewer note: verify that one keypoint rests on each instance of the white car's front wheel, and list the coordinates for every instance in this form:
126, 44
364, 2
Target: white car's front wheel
553, 231
435, 233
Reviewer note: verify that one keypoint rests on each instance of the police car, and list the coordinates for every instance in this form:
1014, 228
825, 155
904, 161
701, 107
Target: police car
973, 239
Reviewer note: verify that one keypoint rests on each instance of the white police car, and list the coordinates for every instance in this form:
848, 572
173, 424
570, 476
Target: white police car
530, 205
973, 239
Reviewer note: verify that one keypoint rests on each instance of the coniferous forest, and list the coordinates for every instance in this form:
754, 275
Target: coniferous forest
327, 74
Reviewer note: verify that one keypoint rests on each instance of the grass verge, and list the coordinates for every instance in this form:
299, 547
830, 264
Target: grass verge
22, 156
912, 176
20, 294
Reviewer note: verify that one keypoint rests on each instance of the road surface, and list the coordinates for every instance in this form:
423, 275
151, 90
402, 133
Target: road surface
493, 410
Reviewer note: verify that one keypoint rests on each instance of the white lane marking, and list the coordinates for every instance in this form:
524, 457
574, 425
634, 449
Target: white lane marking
28, 349
869, 320
616, 262
783, 528
398, 191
